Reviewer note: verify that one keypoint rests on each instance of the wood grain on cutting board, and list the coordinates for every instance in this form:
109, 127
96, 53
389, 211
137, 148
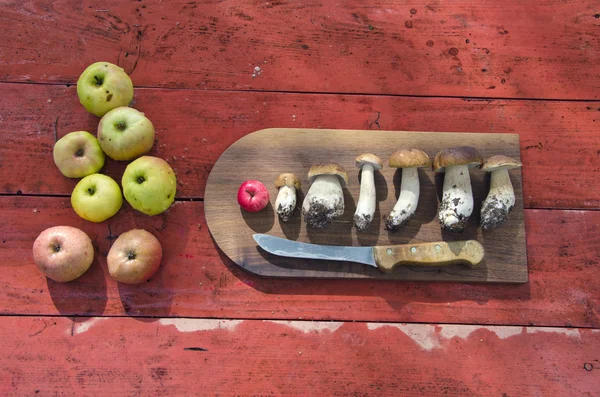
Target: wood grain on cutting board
264, 154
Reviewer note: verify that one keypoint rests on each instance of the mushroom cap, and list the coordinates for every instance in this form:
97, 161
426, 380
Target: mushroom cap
369, 158
328, 169
500, 161
409, 158
459, 155
287, 179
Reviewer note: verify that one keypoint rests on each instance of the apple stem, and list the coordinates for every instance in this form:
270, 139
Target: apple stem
250, 193
56, 248
131, 256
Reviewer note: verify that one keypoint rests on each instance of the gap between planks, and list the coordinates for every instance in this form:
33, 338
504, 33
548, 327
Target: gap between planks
277, 319
292, 92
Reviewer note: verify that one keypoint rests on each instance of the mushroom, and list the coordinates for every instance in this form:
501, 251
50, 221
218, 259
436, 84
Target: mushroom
286, 198
365, 209
325, 198
501, 197
409, 160
457, 198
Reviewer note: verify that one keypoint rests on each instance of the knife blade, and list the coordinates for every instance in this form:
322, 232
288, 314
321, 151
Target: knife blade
385, 258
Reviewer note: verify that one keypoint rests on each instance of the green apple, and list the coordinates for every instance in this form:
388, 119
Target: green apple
78, 154
149, 185
96, 198
103, 87
125, 134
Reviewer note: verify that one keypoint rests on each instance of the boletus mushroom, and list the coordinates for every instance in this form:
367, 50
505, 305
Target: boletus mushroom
365, 209
501, 197
457, 197
410, 160
325, 198
286, 197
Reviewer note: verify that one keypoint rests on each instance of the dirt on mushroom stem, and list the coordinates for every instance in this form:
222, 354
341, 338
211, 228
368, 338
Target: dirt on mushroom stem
319, 215
449, 205
494, 212
285, 212
362, 221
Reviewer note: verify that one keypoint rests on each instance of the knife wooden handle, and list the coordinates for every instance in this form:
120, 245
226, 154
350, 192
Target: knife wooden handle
468, 252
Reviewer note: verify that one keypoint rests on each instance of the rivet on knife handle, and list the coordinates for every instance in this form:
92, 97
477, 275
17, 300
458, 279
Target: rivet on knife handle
469, 253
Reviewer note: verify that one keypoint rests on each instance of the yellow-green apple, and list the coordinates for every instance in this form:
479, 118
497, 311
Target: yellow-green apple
253, 196
103, 87
78, 154
63, 253
125, 133
149, 185
134, 257
96, 198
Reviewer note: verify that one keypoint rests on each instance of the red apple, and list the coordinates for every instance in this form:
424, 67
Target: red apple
134, 257
63, 253
253, 196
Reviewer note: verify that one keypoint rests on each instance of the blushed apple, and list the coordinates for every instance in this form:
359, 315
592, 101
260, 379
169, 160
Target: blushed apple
104, 86
78, 154
149, 185
253, 196
134, 257
63, 253
125, 134
96, 198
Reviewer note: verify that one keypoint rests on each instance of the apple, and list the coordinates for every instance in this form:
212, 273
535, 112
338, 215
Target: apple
253, 196
78, 154
63, 253
96, 198
149, 185
103, 87
134, 257
125, 133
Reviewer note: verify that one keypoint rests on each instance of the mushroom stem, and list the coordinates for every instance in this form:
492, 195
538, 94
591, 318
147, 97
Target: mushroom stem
323, 202
457, 198
499, 201
286, 202
407, 201
365, 209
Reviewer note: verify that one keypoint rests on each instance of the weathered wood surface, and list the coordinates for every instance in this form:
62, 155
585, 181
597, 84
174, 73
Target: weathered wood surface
522, 49
176, 357
196, 280
559, 145
265, 154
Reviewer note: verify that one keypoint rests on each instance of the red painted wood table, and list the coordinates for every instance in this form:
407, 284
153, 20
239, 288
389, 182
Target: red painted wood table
209, 72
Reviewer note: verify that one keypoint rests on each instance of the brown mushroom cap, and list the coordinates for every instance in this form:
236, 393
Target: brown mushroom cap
328, 169
459, 155
500, 161
287, 179
369, 158
409, 158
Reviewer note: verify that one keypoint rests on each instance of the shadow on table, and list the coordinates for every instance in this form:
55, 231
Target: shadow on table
399, 294
85, 296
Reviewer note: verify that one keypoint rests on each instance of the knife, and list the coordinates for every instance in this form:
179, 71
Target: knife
383, 257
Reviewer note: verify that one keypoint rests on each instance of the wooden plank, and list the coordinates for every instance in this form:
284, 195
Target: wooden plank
520, 49
265, 154
196, 280
175, 357
559, 146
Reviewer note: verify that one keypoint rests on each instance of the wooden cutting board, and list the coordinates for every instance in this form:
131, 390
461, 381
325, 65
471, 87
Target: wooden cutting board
265, 154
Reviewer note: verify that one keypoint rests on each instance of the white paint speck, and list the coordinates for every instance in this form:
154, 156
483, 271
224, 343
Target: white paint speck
573, 333
310, 326
464, 331
422, 335
199, 324
79, 328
